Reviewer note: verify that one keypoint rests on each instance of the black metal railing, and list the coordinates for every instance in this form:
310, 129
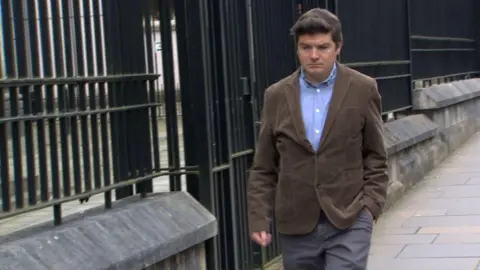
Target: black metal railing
376, 44
79, 104
80, 110
444, 45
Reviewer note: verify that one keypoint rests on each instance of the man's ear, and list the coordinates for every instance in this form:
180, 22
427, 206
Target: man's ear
339, 46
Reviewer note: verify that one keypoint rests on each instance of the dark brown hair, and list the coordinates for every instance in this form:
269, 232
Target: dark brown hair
318, 21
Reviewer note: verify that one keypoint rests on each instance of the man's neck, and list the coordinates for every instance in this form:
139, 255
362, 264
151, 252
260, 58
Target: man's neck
315, 80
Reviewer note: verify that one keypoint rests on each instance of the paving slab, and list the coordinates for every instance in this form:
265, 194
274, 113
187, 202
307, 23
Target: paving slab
458, 238
436, 225
440, 251
423, 264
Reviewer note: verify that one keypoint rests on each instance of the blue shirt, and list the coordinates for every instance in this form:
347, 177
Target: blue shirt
315, 100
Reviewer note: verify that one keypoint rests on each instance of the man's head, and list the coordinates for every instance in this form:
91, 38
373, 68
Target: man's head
318, 33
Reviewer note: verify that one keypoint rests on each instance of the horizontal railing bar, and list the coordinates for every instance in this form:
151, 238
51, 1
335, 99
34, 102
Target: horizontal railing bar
62, 115
441, 38
242, 153
220, 168
378, 63
92, 193
189, 168
445, 50
393, 77
397, 110
233, 156
448, 75
20, 82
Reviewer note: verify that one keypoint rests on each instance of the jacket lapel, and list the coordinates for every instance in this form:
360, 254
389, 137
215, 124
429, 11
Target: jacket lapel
292, 94
340, 89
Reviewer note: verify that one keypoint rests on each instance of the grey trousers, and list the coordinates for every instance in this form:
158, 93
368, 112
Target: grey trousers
328, 248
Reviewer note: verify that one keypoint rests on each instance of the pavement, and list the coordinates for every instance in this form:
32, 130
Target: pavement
436, 225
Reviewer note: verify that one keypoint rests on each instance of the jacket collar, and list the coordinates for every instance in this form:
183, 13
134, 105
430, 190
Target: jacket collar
292, 93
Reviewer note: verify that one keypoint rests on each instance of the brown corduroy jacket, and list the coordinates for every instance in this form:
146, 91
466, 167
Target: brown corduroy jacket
348, 172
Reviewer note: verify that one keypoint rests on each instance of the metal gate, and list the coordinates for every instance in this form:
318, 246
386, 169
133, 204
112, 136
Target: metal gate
80, 104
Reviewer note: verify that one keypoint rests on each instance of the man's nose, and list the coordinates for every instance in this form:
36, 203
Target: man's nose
314, 54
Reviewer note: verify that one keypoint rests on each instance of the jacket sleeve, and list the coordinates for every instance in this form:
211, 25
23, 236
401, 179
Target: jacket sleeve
263, 173
374, 155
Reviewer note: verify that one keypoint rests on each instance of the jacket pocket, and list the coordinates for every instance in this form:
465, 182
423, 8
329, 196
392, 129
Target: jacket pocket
349, 189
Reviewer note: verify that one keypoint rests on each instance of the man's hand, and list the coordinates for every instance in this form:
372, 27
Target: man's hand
262, 238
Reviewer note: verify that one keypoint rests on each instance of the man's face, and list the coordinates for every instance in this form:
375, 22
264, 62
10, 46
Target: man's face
317, 53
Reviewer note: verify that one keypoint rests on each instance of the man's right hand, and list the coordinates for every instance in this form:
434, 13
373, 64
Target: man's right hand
262, 238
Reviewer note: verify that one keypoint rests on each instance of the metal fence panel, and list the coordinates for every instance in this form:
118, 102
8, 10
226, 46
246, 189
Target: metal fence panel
376, 44
444, 41
79, 104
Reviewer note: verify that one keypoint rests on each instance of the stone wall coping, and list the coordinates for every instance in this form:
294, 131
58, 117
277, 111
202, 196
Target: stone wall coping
408, 131
135, 233
446, 94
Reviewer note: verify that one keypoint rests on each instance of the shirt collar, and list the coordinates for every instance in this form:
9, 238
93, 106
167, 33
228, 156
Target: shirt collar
329, 81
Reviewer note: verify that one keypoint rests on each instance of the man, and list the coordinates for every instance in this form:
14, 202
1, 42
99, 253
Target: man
320, 160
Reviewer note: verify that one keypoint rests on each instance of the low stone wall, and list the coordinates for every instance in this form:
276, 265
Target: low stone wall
413, 148
163, 231
446, 116
455, 107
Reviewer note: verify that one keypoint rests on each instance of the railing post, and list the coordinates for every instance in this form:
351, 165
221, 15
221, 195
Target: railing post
476, 16
131, 139
409, 46
196, 80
